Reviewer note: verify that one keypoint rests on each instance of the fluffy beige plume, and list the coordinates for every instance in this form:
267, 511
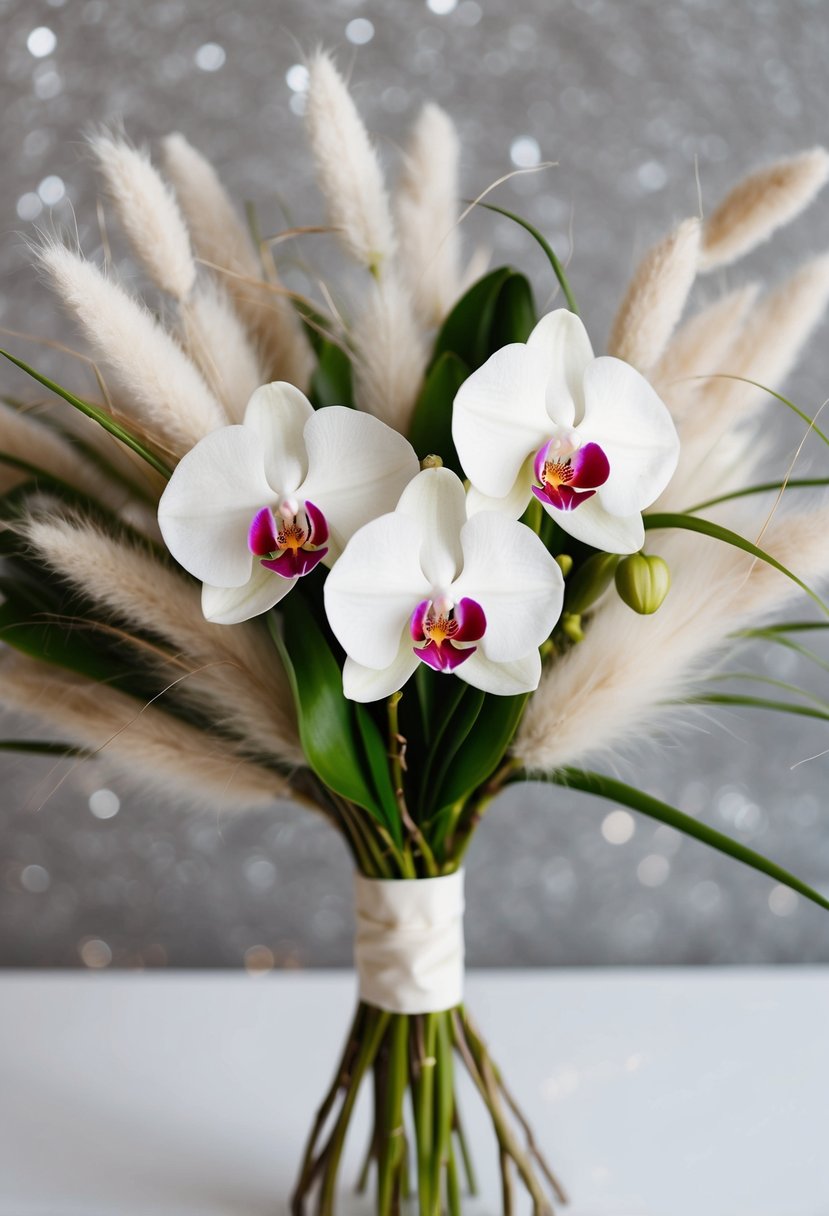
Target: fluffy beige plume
765, 350
760, 204
221, 239
655, 298
389, 355
348, 169
237, 676
149, 214
426, 211
699, 347
165, 393
609, 691
24, 438
141, 741
218, 343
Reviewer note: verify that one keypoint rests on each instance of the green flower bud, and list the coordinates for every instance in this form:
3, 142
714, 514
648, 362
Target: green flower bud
565, 563
571, 626
643, 581
590, 581
431, 462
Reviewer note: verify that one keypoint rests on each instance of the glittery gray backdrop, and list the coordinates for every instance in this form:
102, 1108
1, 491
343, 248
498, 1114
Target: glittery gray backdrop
626, 98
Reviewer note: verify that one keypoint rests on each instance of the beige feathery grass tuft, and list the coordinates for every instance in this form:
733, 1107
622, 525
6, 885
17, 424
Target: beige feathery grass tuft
142, 741
700, 347
389, 354
219, 345
236, 676
426, 211
348, 169
765, 350
148, 212
760, 204
609, 690
26, 439
168, 396
656, 297
221, 240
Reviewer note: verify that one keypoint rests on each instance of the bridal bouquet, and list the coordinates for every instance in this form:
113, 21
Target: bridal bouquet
389, 548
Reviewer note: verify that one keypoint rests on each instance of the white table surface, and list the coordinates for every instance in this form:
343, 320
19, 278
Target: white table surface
660, 1093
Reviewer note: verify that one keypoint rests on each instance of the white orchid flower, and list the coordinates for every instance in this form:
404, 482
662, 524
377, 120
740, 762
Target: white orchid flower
254, 507
424, 584
588, 437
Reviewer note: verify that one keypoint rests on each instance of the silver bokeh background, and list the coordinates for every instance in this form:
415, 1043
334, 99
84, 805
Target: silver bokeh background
628, 99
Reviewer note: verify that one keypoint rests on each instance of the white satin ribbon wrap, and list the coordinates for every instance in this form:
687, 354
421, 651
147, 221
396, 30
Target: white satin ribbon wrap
408, 949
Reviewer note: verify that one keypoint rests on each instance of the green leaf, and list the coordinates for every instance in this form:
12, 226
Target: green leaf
784, 707
431, 428
558, 269
327, 729
377, 756
462, 713
42, 747
332, 381
484, 748
98, 415
515, 315
704, 526
53, 642
637, 800
467, 331
793, 483
777, 396
769, 681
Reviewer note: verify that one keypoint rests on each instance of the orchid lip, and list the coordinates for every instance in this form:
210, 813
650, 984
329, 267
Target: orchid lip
437, 626
565, 482
290, 545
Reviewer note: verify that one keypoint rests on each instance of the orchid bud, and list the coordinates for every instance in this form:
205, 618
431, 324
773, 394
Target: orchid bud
571, 626
565, 563
643, 581
590, 581
431, 462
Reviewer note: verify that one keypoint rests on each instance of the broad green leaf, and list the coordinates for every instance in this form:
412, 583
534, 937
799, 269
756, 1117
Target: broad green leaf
327, 729
706, 528
549, 252
484, 748
638, 800
100, 416
794, 483
466, 331
431, 428
515, 314
460, 716
332, 382
377, 755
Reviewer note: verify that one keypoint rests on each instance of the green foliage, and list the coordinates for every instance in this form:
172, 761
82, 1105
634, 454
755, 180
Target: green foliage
332, 381
431, 428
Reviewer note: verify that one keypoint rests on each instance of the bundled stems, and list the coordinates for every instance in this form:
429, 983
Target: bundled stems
417, 1147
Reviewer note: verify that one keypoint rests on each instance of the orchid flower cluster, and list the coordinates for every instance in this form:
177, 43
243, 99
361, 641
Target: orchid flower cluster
422, 526
423, 567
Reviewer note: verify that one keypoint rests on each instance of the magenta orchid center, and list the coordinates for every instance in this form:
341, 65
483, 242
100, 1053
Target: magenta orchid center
443, 631
567, 473
290, 542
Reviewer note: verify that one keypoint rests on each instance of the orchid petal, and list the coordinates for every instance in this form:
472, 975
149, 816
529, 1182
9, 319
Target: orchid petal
513, 504
471, 620
503, 679
293, 563
373, 589
435, 500
206, 510
500, 416
262, 533
560, 337
230, 605
590, 466
277, 413
357, 470
318, 523
370, 684
592, 524
445, 658
626, 417
520, 587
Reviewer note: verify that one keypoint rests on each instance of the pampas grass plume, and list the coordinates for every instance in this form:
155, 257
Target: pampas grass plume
169, 398
389, 355
426, 210
348, 169
149, 214
760, 204
655, 299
